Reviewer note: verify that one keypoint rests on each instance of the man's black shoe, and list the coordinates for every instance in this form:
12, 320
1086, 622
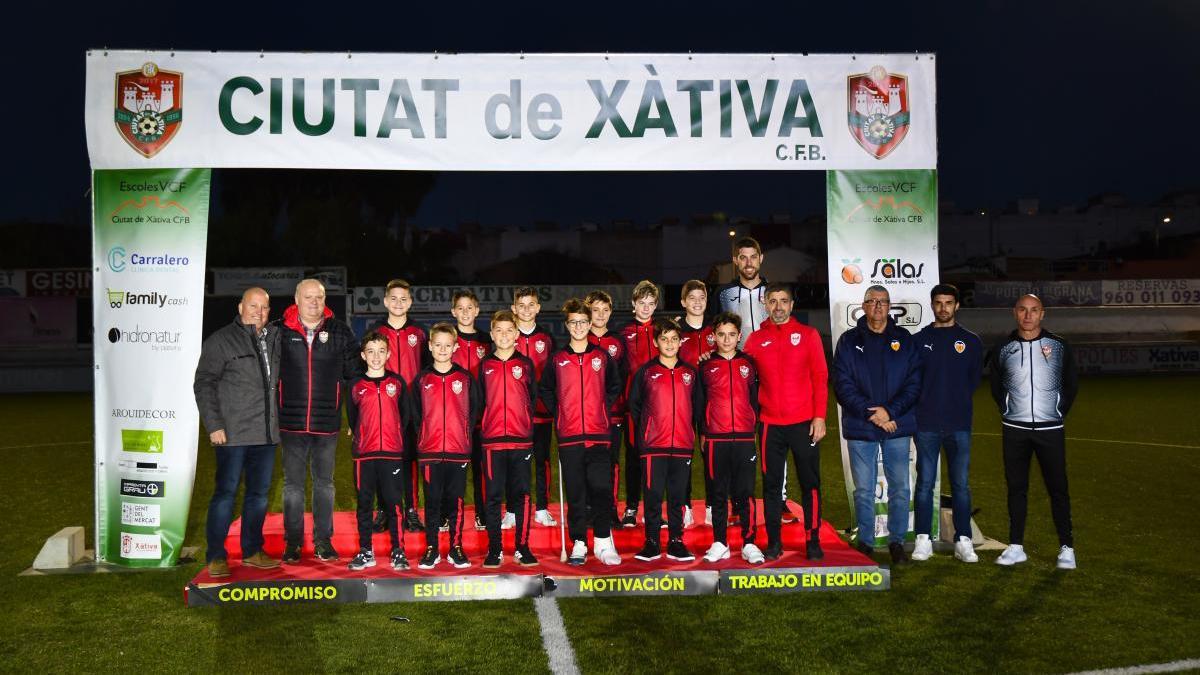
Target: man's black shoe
677, 551
773, 551
651, 551
458, 557
630, 518
399, 560
864, 548
430, 559
524, 556
291, 554
492, 561
381, 521
814, 550
899, 557
325, 552
412, 522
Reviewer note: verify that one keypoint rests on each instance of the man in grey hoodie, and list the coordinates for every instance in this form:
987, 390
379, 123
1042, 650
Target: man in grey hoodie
235, 393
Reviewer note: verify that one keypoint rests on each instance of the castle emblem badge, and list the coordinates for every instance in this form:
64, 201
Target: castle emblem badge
149, 107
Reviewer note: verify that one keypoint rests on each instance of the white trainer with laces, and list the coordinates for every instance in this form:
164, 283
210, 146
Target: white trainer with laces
753, 555
1066, 558
605, 551
509, 521
578, 553
923, 548
543, 518
688, 520
964, 550
717, 551
1014, 554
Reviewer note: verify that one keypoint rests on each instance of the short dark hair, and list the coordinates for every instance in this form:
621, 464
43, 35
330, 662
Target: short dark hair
576, 306
692, 285
525, 291
665, 326
944, 289
779, 287
374, 336
464, 293
727, 317
746, 242
598, 296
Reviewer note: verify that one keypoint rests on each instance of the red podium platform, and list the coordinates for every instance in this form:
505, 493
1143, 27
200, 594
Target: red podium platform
842, 568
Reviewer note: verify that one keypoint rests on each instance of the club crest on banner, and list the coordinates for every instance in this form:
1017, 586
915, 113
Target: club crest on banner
878, 117
148, 107
517, 371
390, 389
960, 346
412, 340
795, 339
456, 386
596, 363
744, 371
895, 345
540, 346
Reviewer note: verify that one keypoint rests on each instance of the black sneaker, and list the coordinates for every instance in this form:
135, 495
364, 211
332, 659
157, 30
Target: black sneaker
630, 518
325, 552
650, 551
773, 551
899, 557
479, 526
291, 554
524, 556
412, 521
677, 551
362, 561
458, 558
399, 560
492, 561
864, 548
430, 559
813, 550
381, 521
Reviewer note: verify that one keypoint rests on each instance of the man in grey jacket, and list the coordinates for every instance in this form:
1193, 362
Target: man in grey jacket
235, 392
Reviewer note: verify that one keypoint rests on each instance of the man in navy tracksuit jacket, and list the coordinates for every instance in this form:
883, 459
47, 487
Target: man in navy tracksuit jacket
951, 364
877, 379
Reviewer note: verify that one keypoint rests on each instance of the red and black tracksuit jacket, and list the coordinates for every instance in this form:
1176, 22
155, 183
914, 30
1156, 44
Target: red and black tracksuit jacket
407, 348
579, 389
472, 348
730, 398
638, 344
311, 376
509, 390
378, 411
612, 343
667, 406
793, 374
695, 342
446, 407
537, 346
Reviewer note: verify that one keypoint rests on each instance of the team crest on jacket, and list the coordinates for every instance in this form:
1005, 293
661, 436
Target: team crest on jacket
1046, 351
517, 371
148, 107
539, 346
456, 386
390, 389
687, 378
744, 371
795, 339
480, 351
960, 346
878, 115
712, 340
323, 336
596, 363
612, 351
895, 345
412, 339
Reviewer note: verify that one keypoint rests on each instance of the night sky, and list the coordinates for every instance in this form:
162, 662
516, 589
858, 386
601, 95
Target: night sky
1061, 101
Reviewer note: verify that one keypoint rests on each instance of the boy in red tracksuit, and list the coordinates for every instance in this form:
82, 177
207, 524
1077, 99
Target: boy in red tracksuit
793, 392
638, 338
378, 413
407, 354
536, 343
446, 404
695, 342
730, 381
666, 405
509, 389
579, 386
601, 303
473, 345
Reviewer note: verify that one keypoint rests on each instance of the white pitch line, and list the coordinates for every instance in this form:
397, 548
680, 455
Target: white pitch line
554, 637
44, 445
1171, 667
1109, 440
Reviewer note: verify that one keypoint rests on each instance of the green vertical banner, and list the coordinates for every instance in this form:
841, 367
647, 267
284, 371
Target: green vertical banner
882, 230
149, 233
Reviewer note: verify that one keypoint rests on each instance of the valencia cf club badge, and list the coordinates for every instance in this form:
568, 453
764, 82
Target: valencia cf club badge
596, 363
960, 346
412, 340
323, 336
895, 345
390, 389
456, 386
795, 339
516, 371
149, 107
878, 110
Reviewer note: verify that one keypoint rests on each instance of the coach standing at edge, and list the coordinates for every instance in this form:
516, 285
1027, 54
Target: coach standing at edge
235, 393
318, 354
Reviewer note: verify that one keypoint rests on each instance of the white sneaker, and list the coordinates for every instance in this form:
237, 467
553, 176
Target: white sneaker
923, 549
708, 516
688, 520
964, 550
543, 517
509, 521
1015, 553
578, 553
1066, 558
717, 551
752, 554
605, 552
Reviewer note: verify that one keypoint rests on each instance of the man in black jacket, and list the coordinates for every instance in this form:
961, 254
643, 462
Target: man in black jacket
319, 354
235, 393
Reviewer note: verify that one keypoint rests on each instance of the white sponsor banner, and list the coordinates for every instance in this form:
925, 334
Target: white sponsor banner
532, 112
136, 546
142, 515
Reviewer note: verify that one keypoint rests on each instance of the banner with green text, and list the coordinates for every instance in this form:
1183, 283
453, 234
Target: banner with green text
882, 230
149, 233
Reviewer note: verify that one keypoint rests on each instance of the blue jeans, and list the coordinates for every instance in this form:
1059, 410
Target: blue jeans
865, 470
958, 458
258, 461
